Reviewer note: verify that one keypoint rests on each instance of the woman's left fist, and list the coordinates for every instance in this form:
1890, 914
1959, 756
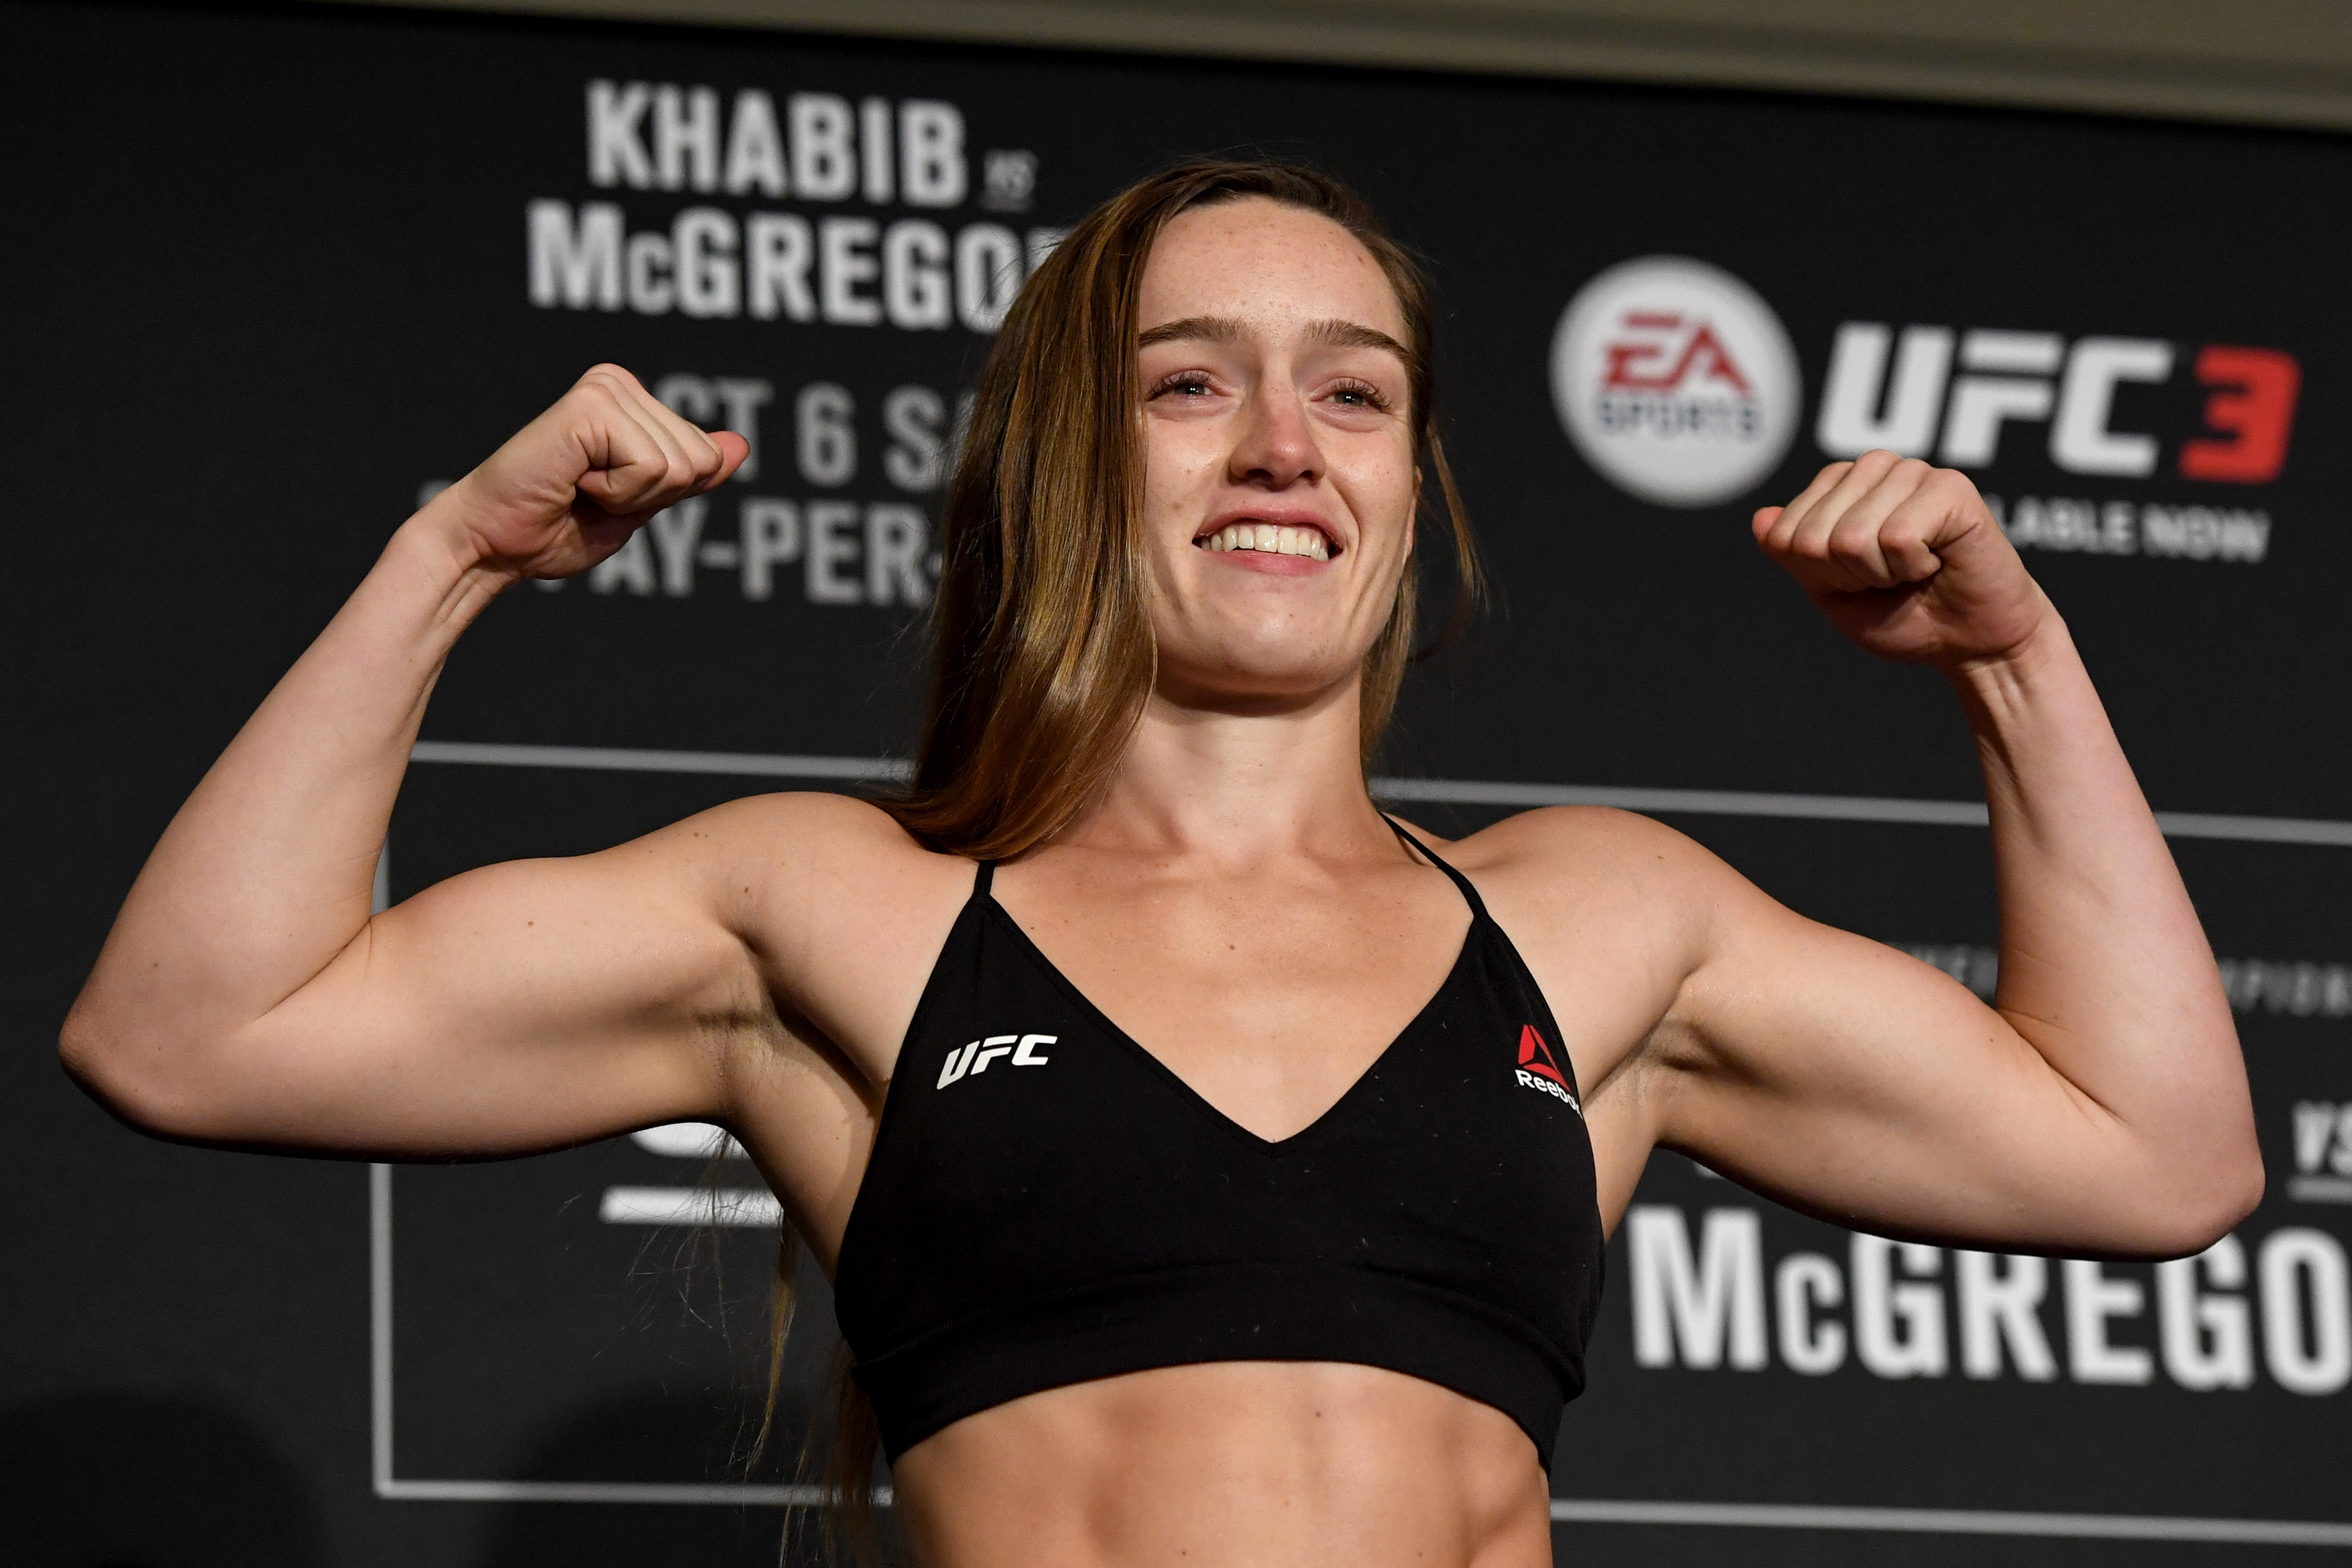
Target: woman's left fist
1908, 561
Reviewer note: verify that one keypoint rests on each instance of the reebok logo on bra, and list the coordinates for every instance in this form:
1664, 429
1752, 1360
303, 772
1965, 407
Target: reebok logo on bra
975, 1058
1537, 1070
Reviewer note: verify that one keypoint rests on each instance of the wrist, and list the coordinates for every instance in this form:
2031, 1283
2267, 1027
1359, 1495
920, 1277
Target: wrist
1997, 690
437, 545
450, 520
2041, 640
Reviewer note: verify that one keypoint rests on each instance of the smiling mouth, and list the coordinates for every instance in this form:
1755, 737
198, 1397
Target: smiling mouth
1268, 539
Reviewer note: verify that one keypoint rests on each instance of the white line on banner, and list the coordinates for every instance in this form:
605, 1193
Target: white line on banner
2320, 1189
1698, 801
2253, 829
1457, 792
689, 1206
747, 765
1959, 1521
660, 1492
380, 1328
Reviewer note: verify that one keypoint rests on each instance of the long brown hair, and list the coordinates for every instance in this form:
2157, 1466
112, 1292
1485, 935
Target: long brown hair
1042, 627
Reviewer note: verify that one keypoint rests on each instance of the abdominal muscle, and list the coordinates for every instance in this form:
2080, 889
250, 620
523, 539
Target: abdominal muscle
1235, 1465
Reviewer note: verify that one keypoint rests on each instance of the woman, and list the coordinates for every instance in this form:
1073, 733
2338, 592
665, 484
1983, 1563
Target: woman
1220, 1279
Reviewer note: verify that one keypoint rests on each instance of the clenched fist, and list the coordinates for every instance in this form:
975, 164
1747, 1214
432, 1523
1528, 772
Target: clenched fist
1908, 561
570, 488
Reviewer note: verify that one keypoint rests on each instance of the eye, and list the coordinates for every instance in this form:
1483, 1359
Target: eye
1358, 395
1187, 384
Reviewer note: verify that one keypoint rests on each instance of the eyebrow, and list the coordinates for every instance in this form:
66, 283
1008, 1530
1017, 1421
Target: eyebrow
1334, 333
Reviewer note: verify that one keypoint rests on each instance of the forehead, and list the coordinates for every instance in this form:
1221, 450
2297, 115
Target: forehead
1263, 263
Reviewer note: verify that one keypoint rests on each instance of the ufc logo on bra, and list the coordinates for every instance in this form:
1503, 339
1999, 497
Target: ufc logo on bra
975, 1058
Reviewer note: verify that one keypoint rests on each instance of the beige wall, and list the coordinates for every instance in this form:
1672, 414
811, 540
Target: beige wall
2280, 62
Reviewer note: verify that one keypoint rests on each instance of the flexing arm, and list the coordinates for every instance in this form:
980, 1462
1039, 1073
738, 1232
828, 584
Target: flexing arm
245, 995
2101, 1104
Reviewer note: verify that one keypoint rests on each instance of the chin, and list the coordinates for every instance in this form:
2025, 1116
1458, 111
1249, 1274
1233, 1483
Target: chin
1273, 677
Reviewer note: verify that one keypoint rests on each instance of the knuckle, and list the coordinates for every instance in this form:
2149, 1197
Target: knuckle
596, 395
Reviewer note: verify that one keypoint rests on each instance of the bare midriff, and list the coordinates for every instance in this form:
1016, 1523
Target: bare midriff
1235, 1464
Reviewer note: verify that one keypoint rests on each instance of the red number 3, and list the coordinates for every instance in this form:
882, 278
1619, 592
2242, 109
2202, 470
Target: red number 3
2253, 406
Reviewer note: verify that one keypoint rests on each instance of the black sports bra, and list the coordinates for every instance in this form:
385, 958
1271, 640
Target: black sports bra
1046, 1202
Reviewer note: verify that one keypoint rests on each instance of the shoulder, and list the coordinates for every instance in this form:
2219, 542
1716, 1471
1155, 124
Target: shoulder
1583, 845
802, 824
1591, 879
777, 863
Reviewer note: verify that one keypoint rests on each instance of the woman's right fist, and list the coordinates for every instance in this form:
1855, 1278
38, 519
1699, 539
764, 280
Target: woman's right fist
569, 488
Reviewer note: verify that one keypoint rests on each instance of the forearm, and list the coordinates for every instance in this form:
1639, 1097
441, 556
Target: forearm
2104, 968
266, 872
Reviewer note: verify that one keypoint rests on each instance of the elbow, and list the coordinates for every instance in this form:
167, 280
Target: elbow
91, 1055
2235, 1181
2227, 1186
2200, 1169
2240, 1191
141, 1080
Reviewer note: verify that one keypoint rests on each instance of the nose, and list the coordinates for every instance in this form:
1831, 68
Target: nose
1275, 449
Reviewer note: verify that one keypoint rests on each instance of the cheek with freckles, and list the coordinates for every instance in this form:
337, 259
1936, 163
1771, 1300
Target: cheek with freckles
1184, 463
1381, 499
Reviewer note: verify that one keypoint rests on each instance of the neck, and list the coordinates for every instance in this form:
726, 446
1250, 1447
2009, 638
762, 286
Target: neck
1240, 787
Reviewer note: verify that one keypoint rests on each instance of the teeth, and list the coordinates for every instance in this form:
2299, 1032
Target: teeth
1271, 538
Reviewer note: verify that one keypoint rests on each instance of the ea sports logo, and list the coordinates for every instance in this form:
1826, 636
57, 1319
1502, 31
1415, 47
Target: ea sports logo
1676, 381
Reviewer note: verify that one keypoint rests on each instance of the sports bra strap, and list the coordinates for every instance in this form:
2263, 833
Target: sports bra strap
981, 883
1415, 847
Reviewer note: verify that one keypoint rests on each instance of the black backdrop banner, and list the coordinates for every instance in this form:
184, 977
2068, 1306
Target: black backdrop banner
273, 274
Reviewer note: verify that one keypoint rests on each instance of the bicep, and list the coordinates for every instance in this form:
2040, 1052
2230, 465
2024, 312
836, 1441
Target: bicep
1854, 1082
516, 1007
